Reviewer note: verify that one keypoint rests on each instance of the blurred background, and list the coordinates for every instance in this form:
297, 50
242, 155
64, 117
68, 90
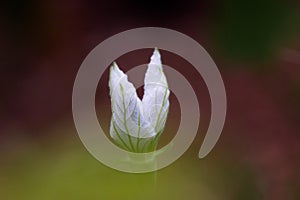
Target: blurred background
256, 46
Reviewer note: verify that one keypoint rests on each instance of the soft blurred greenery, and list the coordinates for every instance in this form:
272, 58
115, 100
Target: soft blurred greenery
65, 170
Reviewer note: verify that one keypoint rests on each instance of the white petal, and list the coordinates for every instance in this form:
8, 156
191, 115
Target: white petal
156, 94
127, 117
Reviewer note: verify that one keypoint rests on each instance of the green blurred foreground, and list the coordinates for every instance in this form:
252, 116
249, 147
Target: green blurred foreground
67, 171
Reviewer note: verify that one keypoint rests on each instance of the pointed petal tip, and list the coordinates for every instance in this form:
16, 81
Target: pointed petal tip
114, 65
155, 58
115, 69
112, 70
156, 52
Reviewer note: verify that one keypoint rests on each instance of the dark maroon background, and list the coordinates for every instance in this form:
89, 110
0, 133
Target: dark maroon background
255, 44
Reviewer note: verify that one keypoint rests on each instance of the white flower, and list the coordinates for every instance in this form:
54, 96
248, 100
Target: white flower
136, 125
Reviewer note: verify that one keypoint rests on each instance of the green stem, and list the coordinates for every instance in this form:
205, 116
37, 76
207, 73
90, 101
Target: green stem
147, 181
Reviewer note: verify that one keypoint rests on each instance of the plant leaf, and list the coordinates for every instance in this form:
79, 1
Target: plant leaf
128, 124
156, 94
136, 125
